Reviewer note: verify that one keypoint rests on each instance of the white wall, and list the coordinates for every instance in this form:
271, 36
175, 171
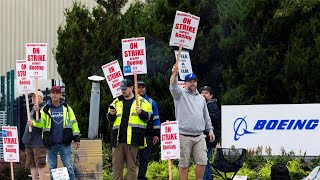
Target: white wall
27, 21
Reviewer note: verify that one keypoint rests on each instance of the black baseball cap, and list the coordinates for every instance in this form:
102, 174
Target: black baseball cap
125, 84
141, 83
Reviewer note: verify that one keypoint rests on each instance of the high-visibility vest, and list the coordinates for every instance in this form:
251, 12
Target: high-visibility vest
71, 129
136, 127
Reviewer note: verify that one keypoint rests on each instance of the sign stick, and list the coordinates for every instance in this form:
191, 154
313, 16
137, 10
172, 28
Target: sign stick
177, 61
169, 160
36, 103
169, 169
28, 109
136, 87
11, 166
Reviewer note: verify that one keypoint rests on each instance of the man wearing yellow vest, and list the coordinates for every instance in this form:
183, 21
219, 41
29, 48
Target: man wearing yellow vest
60, 128
128, 132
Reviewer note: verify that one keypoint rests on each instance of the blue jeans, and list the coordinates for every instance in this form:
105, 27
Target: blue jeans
208, 172
144, 156
65, 155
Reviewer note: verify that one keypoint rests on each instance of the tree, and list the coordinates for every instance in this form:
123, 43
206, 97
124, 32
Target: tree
269, 50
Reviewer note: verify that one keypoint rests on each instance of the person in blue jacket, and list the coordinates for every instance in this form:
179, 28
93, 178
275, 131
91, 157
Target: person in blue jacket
152, 133
35, 150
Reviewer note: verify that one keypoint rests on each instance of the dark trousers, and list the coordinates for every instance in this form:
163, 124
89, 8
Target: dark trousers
144, 156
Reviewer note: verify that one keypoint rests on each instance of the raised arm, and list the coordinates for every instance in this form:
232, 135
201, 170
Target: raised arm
175, 90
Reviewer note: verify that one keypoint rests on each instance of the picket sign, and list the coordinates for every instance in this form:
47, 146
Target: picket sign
134, 56
36, 62
10, 146
114, 76
183, 33
24, 85
170, 144
184, 30
184, 65
134, 59
60, 173
237, 177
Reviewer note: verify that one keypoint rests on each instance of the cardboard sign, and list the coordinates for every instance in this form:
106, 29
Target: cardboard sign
184, 30
134, 56
24, 85
113, 75
60, 173
36, 60
236, 177
10, 144
181, 84
170, 144
184, 64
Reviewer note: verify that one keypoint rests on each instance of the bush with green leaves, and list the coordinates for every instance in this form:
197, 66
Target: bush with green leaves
20, 171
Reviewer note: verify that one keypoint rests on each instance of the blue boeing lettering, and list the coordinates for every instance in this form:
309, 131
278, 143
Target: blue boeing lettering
286, 124
240, 126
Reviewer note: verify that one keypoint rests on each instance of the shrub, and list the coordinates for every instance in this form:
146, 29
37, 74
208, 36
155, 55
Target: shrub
19, 170
159, 171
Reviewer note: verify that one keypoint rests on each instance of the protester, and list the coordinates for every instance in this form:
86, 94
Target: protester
35, 150
192, 114
128, 132
60, 128
152, 133
215, 116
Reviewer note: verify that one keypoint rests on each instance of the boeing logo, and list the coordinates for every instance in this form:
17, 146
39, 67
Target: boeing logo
240, 126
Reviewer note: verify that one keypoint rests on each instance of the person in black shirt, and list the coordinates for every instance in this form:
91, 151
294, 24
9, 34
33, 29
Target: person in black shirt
128, 132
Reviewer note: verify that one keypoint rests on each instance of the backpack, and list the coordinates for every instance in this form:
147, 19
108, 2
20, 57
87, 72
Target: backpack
279, 172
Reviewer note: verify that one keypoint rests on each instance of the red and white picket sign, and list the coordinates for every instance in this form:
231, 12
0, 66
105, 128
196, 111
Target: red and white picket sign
184, 30
10, 144
170, 144
134, 56
114, 76
24, 85
36, 60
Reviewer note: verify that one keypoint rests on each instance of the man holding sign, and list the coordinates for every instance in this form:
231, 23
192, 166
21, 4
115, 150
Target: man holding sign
192, 114
35, 150
128, 132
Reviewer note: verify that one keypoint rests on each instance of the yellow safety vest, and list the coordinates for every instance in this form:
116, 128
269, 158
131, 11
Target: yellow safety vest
136, 127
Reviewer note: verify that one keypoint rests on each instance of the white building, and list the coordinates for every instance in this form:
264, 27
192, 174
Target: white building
28, 21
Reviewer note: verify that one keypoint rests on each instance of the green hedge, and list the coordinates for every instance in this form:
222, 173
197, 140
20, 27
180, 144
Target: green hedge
256, 166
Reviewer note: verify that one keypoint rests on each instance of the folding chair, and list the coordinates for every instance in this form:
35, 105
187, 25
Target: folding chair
228, 160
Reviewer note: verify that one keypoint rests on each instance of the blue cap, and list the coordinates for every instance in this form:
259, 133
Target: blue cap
189, 77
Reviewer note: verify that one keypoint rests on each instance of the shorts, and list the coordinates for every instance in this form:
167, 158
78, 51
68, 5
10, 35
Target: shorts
36, 157
195, 145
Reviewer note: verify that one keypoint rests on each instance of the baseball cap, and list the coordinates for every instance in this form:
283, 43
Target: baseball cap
125, 83
55, 89
189, 77
206, 88
39, 94
141, 83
